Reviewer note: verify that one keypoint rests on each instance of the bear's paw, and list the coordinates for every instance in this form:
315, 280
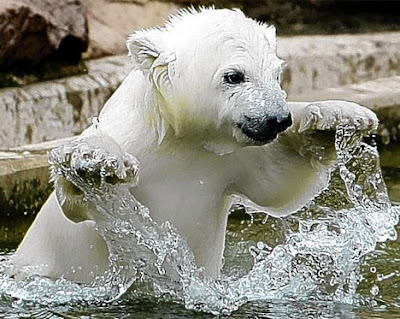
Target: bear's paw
327, 115
91, 163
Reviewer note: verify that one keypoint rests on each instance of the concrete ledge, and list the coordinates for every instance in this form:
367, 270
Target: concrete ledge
24, 186
26, 157
375, 94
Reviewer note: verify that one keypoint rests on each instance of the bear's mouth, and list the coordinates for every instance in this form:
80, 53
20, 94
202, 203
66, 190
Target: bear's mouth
264, 130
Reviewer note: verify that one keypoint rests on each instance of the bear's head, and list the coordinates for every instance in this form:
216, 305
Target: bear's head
217, 78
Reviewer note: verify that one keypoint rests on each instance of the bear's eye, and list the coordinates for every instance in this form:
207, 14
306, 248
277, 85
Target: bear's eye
234, 77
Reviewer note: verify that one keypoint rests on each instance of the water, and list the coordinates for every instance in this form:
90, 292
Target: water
337, 257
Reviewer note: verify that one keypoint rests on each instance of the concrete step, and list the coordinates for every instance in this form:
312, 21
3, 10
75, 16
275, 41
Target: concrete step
51, 110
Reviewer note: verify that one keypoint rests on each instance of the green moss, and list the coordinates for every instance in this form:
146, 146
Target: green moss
19, 207
25, 73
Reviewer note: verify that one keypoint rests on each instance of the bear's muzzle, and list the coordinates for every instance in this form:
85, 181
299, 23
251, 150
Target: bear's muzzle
264, 129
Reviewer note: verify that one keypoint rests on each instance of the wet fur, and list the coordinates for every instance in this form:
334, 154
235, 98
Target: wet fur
174, 113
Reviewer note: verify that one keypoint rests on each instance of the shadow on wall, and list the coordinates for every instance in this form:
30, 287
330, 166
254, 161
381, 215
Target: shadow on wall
294, 17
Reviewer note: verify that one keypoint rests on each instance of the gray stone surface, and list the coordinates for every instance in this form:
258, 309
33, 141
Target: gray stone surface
375, 94
320, 62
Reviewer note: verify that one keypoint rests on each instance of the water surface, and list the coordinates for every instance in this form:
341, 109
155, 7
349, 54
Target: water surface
336, 258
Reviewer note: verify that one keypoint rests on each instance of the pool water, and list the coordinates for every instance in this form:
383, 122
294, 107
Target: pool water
254, 237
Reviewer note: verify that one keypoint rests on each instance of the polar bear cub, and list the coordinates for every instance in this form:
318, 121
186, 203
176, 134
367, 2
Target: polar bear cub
204, 113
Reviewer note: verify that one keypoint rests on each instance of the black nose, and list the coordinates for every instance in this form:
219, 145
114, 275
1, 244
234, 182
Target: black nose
264, 129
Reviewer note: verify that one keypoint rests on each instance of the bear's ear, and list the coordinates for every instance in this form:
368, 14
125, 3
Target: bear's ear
271, 36
145, 47
149, 53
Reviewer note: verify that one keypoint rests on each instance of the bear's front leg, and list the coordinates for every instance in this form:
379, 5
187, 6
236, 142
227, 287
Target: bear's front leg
85, 167
284, 175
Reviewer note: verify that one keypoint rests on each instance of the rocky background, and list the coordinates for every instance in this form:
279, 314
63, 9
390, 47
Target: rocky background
46, 39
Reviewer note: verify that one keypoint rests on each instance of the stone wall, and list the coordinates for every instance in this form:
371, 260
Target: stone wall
51, 110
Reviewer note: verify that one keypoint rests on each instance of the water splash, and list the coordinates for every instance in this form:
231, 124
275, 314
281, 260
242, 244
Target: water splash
317, 258
326, 241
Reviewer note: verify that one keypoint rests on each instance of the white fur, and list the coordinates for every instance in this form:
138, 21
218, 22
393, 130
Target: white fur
175, 114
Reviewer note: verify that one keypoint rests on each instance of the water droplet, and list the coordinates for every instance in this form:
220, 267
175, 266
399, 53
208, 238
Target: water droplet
374, 290
260, 245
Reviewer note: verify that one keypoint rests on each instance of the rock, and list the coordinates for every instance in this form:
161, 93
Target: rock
33, 30
111, 22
